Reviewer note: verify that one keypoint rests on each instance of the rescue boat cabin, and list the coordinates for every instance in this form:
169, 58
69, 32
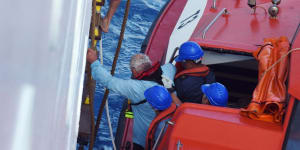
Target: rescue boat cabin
230, 32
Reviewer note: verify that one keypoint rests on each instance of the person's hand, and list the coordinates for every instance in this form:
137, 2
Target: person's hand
91, 55
175, 99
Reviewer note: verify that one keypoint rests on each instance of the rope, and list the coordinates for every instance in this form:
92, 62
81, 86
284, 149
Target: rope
101, 52
113, 67
90, 81
109, 125
106, 106
280, 59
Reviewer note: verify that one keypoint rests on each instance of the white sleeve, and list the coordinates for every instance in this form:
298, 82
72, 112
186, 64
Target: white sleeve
168, 75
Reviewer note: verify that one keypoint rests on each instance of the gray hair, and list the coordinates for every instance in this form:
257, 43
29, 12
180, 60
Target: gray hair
140, 62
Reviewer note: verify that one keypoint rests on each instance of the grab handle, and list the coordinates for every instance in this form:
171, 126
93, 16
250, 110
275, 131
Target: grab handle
223, 11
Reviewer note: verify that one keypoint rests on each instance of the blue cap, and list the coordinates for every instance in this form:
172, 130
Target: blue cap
189, 51
158, 97
216, 93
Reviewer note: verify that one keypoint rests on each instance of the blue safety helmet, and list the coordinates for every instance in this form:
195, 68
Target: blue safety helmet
158, 97
216, 93
189, 51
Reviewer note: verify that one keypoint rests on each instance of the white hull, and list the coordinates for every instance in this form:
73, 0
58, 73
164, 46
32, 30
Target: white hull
42, 61
185, 25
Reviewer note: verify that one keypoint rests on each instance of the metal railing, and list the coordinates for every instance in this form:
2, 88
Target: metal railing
223, 11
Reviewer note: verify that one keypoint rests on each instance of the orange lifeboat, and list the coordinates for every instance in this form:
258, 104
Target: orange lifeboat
231, 33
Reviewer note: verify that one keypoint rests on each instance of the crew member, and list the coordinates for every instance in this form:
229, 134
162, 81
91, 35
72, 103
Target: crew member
188, 81
215, 94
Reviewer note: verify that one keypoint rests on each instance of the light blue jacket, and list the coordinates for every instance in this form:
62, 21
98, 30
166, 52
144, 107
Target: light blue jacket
133, 90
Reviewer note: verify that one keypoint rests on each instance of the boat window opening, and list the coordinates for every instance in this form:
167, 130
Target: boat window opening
237, 72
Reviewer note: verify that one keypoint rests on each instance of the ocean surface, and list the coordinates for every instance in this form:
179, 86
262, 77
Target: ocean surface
141, 15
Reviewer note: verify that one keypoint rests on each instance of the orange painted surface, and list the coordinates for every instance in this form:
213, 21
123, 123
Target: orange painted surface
243, 31
208, 127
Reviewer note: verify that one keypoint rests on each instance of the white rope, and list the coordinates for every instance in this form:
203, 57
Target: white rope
101, 51
109, 125
106, 104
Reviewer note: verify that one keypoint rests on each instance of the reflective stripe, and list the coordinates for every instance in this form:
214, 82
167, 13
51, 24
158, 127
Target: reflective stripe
129, 114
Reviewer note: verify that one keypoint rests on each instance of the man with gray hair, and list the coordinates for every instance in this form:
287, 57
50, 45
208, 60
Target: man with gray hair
139, 63
145, 76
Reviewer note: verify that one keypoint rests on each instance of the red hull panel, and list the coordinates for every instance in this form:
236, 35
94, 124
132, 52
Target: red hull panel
127, 135
158, 42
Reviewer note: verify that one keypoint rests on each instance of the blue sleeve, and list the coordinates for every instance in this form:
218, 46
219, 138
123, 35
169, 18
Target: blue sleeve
129, 88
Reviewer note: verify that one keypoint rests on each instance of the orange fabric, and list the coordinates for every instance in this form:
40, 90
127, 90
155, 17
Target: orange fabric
154, 124
149, 71
268, 99
199, 71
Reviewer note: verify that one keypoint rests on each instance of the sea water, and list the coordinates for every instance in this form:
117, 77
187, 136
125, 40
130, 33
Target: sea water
141, 15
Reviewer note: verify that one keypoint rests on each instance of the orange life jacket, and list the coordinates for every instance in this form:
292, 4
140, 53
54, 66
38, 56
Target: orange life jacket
152, 74
198, 72
149, 71
166, 114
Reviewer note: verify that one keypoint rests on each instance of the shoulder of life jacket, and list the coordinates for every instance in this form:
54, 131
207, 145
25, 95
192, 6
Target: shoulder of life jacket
201, 71
166, 114
149, 71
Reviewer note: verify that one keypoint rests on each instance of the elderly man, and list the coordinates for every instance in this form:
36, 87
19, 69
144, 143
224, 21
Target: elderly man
145, 76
